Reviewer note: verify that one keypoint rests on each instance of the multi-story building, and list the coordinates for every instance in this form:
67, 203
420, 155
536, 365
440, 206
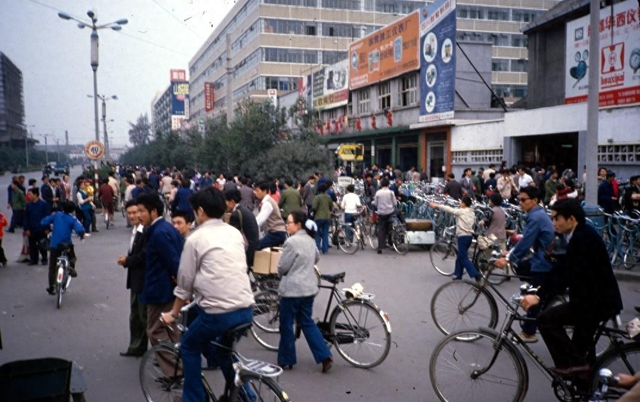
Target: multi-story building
268, 44
12, 129
161, 112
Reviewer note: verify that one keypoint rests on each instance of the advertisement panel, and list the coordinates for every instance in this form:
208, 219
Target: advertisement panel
331, 89
437, 60
619, 56
209, 99
179, 92
391, 51
178, 75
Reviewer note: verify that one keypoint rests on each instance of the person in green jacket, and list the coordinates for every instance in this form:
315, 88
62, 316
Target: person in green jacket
322, 205
290, 199
19, 206
550, 186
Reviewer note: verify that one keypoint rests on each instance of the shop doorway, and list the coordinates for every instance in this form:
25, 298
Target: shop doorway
436, 157
384, 156
545, 150
408, 157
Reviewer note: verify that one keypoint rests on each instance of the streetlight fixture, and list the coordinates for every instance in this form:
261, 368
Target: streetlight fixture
104, 100
95, 44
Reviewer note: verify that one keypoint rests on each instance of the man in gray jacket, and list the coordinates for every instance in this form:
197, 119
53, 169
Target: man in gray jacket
309, 194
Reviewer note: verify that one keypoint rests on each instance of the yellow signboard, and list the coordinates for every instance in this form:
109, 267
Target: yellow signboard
351, 152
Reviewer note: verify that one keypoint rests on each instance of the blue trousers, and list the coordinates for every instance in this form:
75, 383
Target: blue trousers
349, 218
322, 237
299, 308
273, 239
462, 260
206, 328
17, 219
87, 220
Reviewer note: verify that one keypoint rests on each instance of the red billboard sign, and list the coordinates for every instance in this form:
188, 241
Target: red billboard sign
209, 98
178, 75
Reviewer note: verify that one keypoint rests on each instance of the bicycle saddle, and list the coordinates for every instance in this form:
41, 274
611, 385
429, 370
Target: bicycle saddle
65, 246
234, 334
337, 278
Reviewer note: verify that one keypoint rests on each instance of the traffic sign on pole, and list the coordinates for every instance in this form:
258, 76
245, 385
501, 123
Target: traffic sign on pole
94, 150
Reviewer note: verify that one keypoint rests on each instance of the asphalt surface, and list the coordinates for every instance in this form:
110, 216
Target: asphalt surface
92, 326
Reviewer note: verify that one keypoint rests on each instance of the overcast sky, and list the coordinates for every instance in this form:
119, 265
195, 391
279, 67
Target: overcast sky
54, 57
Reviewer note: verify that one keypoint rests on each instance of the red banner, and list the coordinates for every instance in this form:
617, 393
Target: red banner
209, 98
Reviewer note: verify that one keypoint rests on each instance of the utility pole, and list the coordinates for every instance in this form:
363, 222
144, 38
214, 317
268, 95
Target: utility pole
591, 147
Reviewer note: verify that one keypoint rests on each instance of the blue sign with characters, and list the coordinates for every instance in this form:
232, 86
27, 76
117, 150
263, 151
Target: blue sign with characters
437, 60
179, 93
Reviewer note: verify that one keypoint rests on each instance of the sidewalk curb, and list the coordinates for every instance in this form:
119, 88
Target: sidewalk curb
627, 276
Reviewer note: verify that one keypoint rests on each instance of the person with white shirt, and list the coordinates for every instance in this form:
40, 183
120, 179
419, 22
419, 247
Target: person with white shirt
269, 218
525, 179
350, 204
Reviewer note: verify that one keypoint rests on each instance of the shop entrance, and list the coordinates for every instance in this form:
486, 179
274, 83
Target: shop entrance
408, 157
436, 157
545, 150
384, 155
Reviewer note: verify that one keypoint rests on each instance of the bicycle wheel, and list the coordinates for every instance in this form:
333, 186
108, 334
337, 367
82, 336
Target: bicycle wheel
348, 239
262, 388
399, 240
156, 384
360, 334
461, 305
59, 295
454, 369
625, 360
373, 236
631, 256
266, 319
443, 257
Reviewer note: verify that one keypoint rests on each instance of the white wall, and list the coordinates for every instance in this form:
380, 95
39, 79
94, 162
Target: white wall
477, 136
621, 125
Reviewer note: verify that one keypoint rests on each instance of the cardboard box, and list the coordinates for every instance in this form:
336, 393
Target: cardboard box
266, 260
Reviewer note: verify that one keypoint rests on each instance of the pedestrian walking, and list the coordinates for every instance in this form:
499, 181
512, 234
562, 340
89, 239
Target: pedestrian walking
18, 205
290, 199
385, 202
134, 263
297, 289
3, 223
322, 205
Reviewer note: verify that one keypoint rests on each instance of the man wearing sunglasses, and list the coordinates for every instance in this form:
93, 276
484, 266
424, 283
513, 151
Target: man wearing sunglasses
538, 233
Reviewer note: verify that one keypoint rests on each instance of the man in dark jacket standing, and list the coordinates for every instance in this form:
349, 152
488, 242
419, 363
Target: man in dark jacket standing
134, 262
163, 249
594, 295
46, 191
36, 211
243, 220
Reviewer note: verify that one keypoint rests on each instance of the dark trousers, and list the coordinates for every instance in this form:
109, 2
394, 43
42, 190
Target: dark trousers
86, 213
54, 253
3, 258
462, 259
565, 351
322, 236
34, 247
349, 219
137, 326
17, 219
383, 229
157, 331
273, 239
299, 309
206, 328
309, 211
93, 219
536, 279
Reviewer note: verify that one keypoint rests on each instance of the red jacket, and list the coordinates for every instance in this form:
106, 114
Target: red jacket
3, 223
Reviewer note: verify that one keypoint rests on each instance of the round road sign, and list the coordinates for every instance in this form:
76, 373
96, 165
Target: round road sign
94, 150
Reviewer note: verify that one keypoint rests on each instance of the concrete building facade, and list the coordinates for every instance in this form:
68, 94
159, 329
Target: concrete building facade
161, 112
12, 130
269, 44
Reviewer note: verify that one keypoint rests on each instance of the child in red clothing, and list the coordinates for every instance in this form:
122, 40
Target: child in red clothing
3, 223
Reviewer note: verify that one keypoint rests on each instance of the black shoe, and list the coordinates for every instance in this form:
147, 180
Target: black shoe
637, 308
32, 263
455, 278
73, 273
379, 251
45, 262
210, 368
327, 364
128, 354
51, 292
284, 366
95, 230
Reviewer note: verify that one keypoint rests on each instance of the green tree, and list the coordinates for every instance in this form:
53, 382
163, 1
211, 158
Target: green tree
140, 132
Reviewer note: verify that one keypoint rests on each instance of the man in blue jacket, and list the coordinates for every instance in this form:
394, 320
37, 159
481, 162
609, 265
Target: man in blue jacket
181, 200
163, 249
63, 225
36, 211
538, 233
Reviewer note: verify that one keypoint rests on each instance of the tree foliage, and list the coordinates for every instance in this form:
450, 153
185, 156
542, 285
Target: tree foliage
257, 143
140, 132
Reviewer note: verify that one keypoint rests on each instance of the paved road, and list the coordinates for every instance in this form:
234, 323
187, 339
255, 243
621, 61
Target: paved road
92, 326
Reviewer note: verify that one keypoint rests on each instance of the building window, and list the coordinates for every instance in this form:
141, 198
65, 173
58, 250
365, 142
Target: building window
499, 65
408, 90
290, 27
520, 66
364, 102
519, 41
510, 91
484, 157
331, 57
499, 15
281, 83
342, 4
620, 154
384, 95
278, 55
301, 3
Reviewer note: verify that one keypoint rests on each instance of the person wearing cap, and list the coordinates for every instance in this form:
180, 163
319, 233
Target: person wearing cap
606, 195
297, 289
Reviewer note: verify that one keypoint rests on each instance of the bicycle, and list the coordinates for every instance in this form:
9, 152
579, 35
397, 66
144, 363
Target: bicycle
605, 381
343, 235
63, 279
444, 252
495, 360
396, 236
252, 379
356, 326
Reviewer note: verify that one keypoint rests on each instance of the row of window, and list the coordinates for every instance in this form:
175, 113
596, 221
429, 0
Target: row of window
518, 66
249, 62
310, 28
217, 63
279, 55
510, 91
387, 6
246, 37
514, 40
407, 94
496, 13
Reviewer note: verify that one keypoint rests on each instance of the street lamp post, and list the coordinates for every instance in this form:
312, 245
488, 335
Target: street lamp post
46, 146
26, 142
104, 99
95, 42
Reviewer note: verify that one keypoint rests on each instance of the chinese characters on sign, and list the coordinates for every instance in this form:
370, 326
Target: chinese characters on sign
178, 75
619, 31
179, 98
330, 86
209, 99
385, 54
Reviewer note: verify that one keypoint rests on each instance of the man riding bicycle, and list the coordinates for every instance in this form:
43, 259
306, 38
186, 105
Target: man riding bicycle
594, 295
63, 225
